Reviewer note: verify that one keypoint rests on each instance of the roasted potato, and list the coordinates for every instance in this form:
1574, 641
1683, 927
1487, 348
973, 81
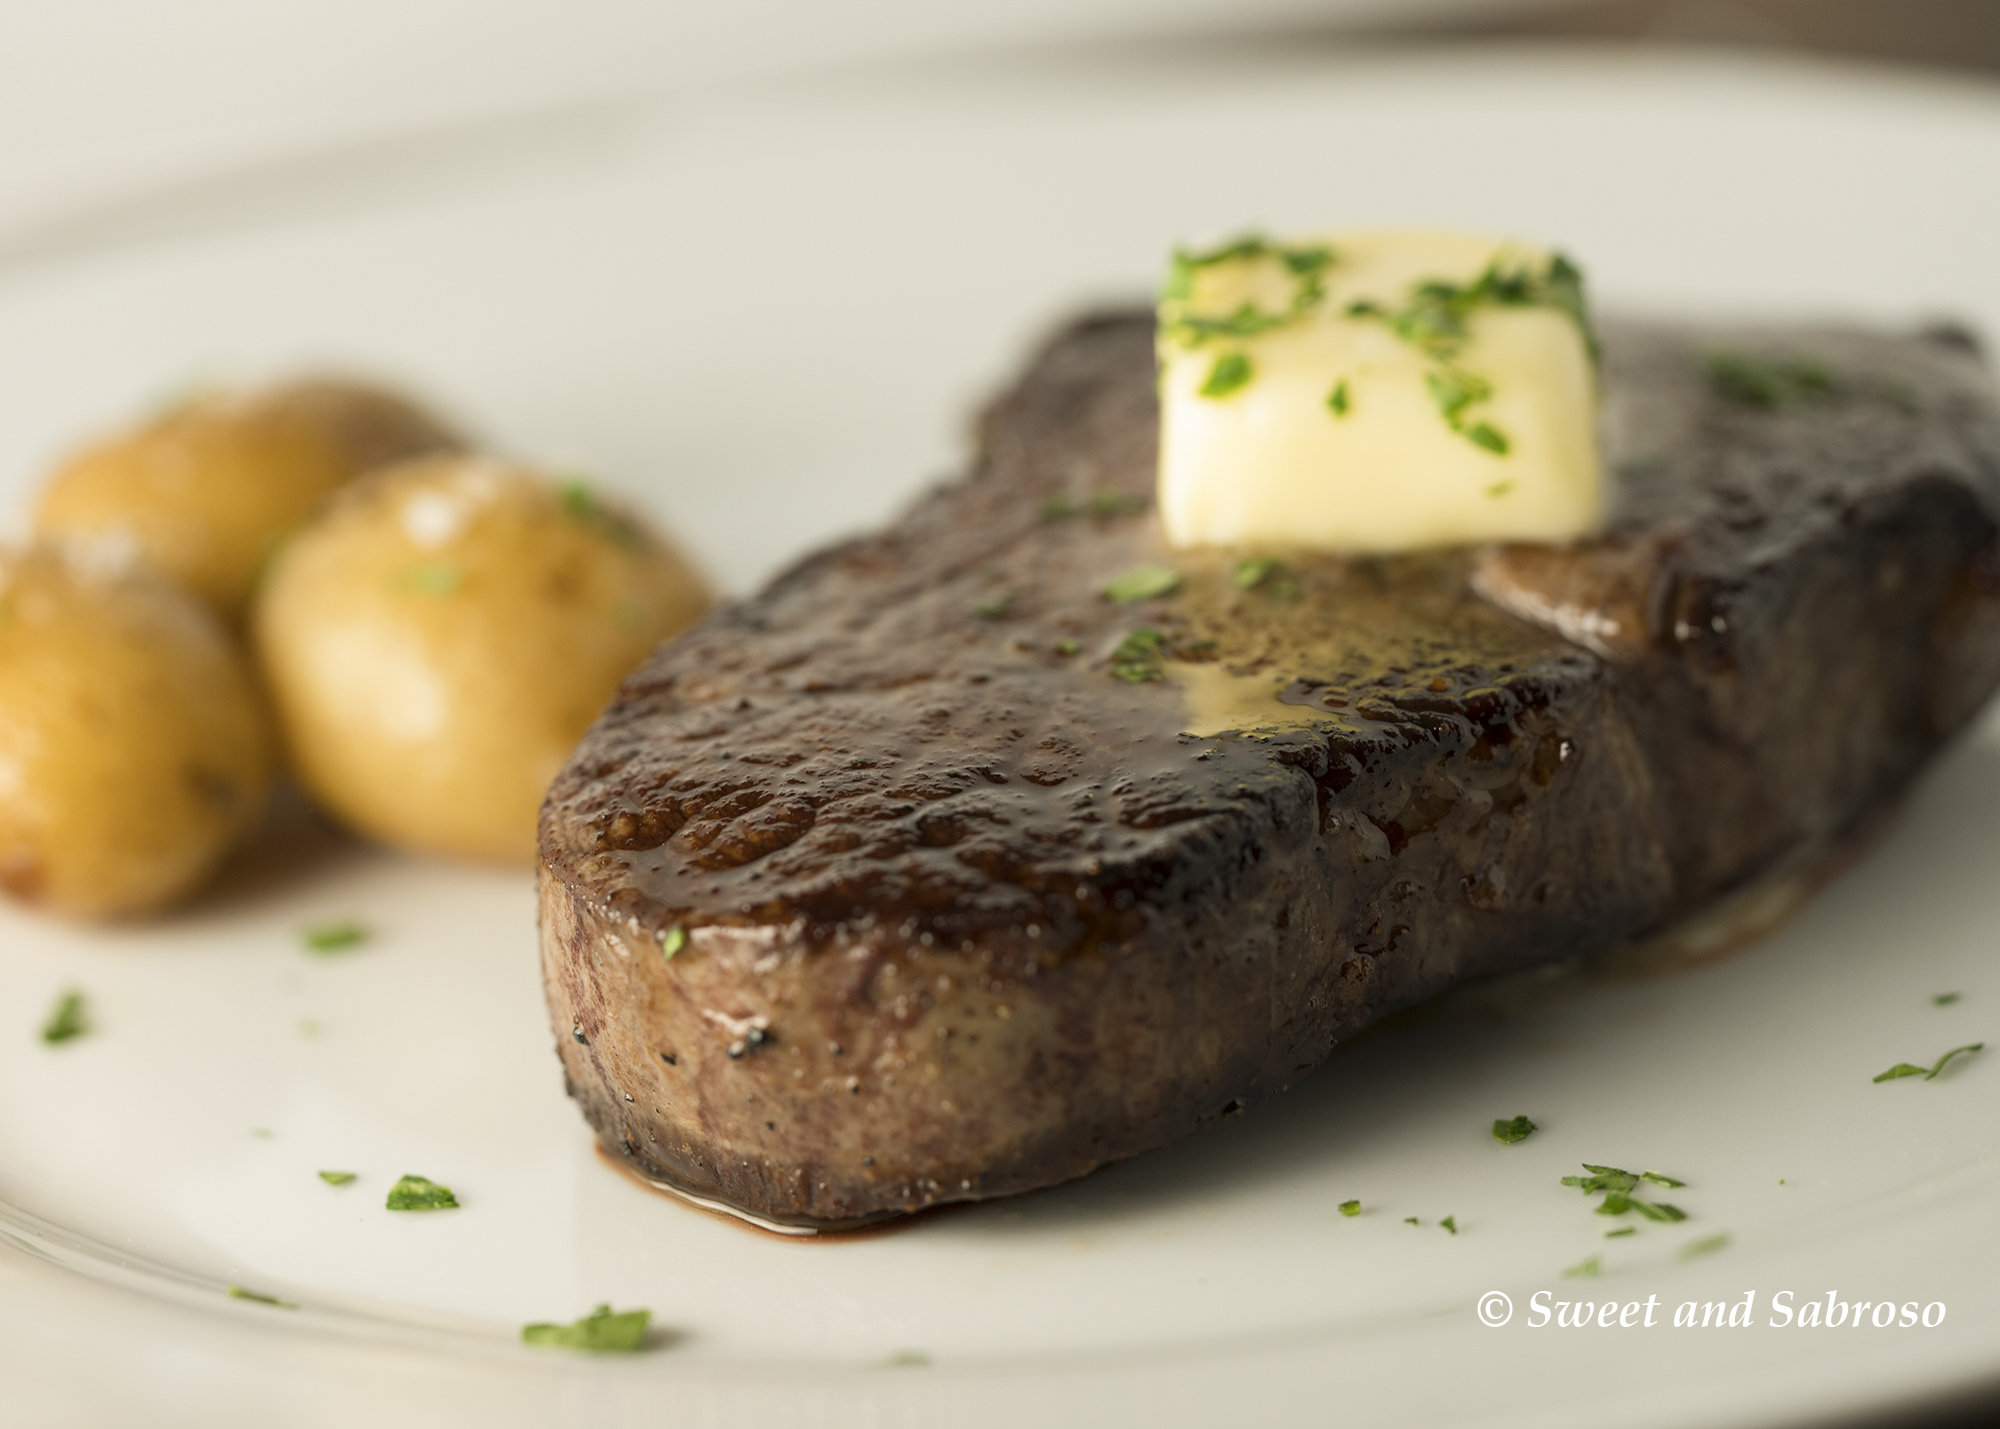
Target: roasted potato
134, 747
202, 493
440, 637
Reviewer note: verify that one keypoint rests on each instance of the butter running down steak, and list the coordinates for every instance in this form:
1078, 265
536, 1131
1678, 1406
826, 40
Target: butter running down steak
933, 874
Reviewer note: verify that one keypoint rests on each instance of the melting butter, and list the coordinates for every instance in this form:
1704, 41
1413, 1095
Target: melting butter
1376, 391
1215, 701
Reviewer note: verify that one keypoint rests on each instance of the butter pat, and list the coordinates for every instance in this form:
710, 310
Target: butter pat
1376, 391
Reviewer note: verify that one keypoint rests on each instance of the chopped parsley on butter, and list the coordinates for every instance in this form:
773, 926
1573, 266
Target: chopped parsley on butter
1376, 391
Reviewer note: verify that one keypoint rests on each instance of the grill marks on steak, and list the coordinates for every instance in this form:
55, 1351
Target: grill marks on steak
995, 916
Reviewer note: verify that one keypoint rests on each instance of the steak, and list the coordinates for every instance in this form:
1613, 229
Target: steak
932, 874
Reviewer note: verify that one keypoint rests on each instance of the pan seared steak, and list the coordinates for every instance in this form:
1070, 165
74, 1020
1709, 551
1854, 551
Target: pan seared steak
933, 874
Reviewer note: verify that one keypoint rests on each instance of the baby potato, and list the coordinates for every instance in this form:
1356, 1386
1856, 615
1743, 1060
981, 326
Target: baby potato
203, 492
438, 640
134, 747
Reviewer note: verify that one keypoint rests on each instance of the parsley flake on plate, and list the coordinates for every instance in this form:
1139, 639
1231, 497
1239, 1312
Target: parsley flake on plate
237, 1292
1350, 1208
602, 1330
1707, 1245
335, 936
904, 1359
336, 1178
1930, 1073
1509, 1132
420, 1193
1450, 1223
1587, 1268
1617, 1186
1901, 1069
67, 1021
1610, 1178
1945, 999
1616, 1204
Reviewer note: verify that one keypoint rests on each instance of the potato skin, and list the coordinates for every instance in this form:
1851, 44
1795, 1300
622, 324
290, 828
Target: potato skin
203, 493
134, 746
440, 638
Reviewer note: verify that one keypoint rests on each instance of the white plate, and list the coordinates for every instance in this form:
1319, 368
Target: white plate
768, 314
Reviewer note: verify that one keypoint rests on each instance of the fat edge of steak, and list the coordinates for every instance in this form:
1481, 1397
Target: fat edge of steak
960, 915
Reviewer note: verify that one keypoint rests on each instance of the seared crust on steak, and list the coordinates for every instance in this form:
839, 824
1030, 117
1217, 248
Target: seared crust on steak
956, 911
